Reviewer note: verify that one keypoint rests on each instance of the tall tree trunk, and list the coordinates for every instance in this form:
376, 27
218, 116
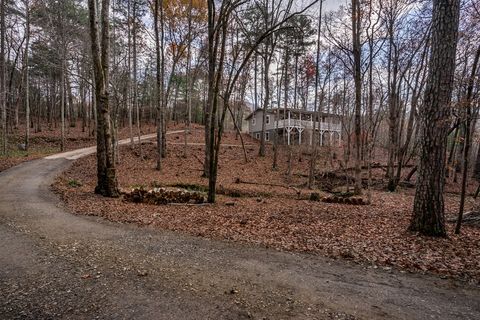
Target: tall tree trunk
135, 85
466, 151
188, 88
159, 83
3, 95
62, 80
83, 104
129, 67
62, 102
212, 57
413, 111
356, 19
215, 81
371, 127
315, 115
27, 84
393, 111
163, 124
266, 98
255, 79
429, 212
72, 114
107, 184
277, 119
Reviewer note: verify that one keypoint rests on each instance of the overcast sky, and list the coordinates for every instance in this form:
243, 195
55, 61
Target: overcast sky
333, 4
328, 5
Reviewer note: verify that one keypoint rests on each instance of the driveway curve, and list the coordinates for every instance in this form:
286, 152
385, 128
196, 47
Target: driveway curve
55, 265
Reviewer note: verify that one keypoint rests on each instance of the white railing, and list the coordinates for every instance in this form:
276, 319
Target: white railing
306, 124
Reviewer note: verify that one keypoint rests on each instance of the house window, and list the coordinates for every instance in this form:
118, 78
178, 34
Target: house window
257, 136
267, 120
253, 121
267, 136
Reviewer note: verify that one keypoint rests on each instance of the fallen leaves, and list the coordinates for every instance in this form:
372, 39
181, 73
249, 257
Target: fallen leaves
48, 141
373, 234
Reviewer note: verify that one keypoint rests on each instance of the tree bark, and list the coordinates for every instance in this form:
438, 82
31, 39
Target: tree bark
107, 184
158, 6
315, 115
356, 19
466, 151
212, 57
62, 98
135, 85
393, 108
128, 82
27, 84
3, 104
266, 99
428, 210
188, 88
215, 81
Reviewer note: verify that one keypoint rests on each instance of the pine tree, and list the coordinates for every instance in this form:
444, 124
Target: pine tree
428, 216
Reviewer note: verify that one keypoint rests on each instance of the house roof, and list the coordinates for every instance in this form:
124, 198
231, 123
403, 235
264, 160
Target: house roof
258, 110
275, 110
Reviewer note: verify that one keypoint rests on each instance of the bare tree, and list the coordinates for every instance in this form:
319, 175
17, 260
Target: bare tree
217, 35
107, 184
467, 129
313, 158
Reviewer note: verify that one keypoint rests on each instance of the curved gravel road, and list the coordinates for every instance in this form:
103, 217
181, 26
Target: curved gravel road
55, 265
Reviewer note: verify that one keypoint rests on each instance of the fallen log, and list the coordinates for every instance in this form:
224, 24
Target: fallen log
189, 204
160, 196
374, 165
471, 218
341, 200
239, 181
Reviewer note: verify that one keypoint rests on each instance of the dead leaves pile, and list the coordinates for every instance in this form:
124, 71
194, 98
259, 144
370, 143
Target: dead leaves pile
162, 196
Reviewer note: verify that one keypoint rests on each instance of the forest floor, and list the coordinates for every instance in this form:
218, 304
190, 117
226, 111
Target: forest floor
271, 209
48, 141
56, 265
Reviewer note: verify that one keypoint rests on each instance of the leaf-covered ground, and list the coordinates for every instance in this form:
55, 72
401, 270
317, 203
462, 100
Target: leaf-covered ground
274, 212
48, 142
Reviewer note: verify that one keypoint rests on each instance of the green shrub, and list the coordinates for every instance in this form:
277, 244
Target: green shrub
74, 183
